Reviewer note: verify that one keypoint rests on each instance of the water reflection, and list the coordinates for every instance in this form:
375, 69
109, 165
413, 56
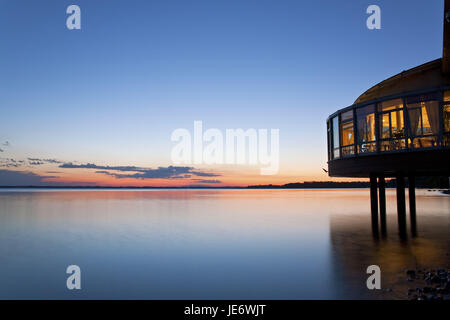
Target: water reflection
207, 244
353, 250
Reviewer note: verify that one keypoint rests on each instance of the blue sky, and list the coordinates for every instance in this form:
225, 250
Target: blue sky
112, 92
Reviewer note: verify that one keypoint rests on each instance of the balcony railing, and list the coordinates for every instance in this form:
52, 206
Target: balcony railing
413, 121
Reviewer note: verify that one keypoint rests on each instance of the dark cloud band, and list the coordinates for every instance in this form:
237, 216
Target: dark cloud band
170, 172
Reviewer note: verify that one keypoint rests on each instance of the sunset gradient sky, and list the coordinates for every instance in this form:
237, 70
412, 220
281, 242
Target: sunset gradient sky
111, 94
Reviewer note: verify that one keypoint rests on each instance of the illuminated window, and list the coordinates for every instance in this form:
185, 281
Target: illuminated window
390, 105
385, 124
392, 127
397, 125
423, 117
366, 129
347, 133
446, 118
447, 96
348, 137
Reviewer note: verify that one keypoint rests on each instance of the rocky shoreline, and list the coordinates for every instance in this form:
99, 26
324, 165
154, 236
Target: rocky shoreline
430, 284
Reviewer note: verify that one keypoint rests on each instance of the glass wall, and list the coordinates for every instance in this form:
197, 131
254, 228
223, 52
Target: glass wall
446, 118
392, 125
412, 122
330, 151
365, 122
335, 123
423, 117
347, 134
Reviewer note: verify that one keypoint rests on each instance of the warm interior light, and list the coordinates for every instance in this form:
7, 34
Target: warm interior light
447, 96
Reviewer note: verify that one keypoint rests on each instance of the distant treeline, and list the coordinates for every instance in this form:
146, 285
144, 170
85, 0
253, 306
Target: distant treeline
318, 185
421, 182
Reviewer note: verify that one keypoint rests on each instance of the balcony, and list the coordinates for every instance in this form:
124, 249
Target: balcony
407, 123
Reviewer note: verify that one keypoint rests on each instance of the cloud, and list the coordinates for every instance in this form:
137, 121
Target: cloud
184, 176
4, 145
205, 174
10, 163
38, 161
13, 163
35, 163
22, 178
15, 178
206, 181
170, 172
70, 165
52, 161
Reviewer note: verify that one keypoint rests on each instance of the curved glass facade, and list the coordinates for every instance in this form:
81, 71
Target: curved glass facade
408, 122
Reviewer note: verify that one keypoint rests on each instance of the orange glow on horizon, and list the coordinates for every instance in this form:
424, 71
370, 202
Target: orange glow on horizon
228, 179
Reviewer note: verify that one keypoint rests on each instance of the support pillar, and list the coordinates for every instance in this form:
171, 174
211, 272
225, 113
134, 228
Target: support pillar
412, 204
401, 207
382, 195
374, 204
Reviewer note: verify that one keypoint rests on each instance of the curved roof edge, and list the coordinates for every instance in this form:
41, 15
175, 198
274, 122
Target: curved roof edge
427, 75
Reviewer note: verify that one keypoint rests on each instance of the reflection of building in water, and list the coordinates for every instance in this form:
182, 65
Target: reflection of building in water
398, 128
353, 249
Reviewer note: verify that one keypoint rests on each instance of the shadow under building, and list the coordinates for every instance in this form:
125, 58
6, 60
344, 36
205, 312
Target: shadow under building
398, 128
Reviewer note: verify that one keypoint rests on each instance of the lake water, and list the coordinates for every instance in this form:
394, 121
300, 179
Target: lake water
211, 244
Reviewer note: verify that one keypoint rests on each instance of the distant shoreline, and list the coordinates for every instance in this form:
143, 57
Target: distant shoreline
302, 185
296, 185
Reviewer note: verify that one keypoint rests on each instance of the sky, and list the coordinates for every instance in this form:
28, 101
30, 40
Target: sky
98, 106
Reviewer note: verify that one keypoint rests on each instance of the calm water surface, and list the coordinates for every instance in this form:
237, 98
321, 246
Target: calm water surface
210, 244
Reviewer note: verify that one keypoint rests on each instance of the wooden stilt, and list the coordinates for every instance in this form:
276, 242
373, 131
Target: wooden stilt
382, 195
374, 204
412, 204
401, 207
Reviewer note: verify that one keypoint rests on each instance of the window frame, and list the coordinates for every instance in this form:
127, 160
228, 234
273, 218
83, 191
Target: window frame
380, 113
344, 154
406, 142
358, 143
